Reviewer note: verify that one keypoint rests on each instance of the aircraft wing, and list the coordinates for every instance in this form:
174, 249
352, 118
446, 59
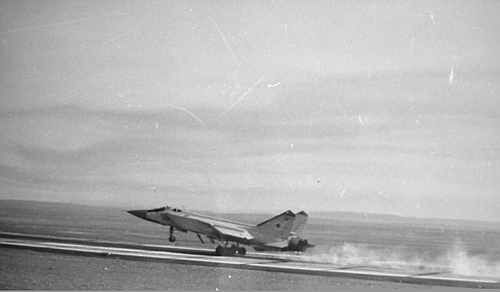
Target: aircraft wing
234, 232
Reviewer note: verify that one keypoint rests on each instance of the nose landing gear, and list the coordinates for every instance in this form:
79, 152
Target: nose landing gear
171, 238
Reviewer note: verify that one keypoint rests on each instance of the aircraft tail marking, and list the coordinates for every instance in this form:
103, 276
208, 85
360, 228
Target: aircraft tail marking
278, 227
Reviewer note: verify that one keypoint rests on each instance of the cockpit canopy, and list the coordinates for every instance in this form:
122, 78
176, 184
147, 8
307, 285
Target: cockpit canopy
166, 208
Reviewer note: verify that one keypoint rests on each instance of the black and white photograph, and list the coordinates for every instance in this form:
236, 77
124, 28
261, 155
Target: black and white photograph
249, 145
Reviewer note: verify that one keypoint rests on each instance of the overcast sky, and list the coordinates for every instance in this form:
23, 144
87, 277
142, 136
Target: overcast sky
385, 107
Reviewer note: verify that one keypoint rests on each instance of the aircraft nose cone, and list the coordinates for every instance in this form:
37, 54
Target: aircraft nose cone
138, 213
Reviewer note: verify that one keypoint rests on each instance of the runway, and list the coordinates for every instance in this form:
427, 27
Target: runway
271, 262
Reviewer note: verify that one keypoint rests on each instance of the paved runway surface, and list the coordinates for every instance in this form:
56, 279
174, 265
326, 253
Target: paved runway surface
287, 263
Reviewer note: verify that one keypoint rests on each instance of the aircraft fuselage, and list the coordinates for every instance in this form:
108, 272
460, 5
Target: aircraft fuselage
272, 233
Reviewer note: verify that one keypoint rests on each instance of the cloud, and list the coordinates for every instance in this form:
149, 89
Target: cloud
317, 145
364, 102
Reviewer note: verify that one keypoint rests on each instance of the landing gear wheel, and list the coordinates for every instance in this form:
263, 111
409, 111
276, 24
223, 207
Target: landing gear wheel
232, 250
226, 251
171, 238
242, 251
303, 245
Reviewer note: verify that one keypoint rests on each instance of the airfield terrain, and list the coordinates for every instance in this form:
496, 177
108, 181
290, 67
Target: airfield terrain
427, 246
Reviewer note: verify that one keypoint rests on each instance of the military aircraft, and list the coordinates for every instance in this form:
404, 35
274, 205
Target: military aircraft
277, 233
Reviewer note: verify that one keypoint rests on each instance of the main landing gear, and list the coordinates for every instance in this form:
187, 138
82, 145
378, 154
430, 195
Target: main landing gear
171, 238
220, 250
229, 251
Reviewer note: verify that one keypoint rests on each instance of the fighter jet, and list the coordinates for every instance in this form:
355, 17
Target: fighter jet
274, 233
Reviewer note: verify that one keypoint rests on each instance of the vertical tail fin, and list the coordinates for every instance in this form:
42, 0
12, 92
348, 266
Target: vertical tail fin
299, 223
278, 227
